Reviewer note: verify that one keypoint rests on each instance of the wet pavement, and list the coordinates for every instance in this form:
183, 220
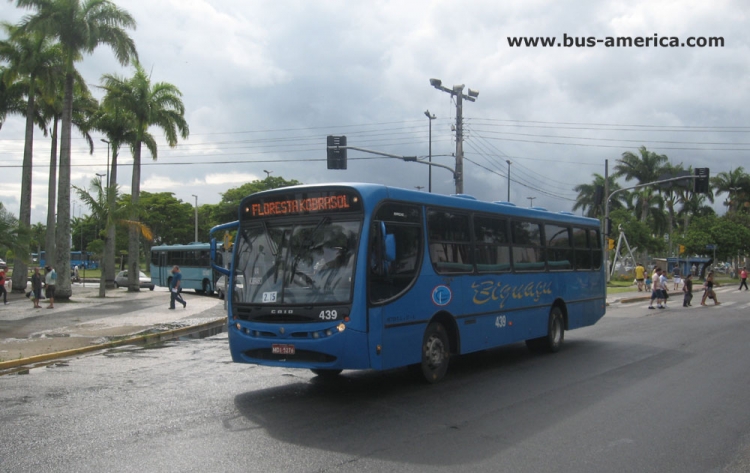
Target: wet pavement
87, 320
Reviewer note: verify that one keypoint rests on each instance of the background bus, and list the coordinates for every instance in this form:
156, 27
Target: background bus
357, 276
82, 259
194, 262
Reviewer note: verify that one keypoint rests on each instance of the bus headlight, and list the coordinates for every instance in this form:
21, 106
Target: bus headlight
341, 327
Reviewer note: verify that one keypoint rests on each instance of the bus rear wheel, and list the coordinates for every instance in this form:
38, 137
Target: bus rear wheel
435, 354
207, 288
552, 342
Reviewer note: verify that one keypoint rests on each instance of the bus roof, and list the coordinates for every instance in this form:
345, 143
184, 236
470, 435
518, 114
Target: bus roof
376, 192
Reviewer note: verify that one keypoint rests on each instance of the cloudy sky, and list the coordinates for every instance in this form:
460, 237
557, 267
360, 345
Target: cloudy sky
265, 82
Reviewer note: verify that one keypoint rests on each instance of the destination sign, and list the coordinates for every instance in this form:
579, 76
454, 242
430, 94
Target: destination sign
307, 203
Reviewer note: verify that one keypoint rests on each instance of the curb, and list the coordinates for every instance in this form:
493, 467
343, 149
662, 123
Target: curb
635, 299
145, 339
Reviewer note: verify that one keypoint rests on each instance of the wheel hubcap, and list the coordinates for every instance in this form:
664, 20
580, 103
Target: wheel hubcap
434, 352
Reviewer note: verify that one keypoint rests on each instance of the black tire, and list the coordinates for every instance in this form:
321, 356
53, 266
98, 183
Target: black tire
220, 293
552, 342
117, 286
207, 288
435, 354
326, 373
151, 288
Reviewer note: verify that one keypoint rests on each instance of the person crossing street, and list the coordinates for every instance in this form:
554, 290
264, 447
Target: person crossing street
175, 288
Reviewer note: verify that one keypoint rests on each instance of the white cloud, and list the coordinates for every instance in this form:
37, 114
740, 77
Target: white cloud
265, 82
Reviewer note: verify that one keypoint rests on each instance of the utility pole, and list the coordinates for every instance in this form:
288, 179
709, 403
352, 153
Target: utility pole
606, 218
457, 91
508, 161
196, 217
431, 117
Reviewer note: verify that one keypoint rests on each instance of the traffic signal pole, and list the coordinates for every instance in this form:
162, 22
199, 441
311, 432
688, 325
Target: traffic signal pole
701, 177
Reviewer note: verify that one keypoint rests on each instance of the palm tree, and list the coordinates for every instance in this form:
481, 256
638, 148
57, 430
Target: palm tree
83, 106
33, 57
587, 195
158, 104
12, 91
119, 127
735, 183
645, 167
80, 26
98, 202
694, 205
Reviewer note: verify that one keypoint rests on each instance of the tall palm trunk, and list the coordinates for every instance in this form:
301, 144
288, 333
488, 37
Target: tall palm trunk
20, 268
62, 236
110, 241
49, 241
133, 233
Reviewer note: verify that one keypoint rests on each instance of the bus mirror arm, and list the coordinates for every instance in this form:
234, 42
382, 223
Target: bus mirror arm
221, 270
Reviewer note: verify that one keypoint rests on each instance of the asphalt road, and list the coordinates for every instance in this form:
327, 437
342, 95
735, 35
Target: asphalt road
642, 391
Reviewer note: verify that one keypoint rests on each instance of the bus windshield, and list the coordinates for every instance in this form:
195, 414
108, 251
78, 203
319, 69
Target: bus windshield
305, 262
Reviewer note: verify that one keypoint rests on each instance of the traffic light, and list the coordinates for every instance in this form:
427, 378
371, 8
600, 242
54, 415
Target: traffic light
682, 249
336, 157
611, 243
700, 183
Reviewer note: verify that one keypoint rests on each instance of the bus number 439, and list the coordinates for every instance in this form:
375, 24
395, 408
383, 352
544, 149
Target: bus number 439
328, 315
500, 321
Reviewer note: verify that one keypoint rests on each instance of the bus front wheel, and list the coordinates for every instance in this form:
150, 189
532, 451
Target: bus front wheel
555, 334
323, 373
435, 354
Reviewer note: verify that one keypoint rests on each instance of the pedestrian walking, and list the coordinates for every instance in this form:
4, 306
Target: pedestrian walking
743, 278
656, 290
648, 282
2, 286
76, 278
708, 288
687, 289
676, 277
50, 281
36, 287
175, 287
640, 271
664, 289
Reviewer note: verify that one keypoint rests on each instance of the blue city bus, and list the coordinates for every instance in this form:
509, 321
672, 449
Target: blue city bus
77, 258
194, 262
364, 276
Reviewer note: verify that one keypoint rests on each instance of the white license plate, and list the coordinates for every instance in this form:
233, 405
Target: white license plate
278, 349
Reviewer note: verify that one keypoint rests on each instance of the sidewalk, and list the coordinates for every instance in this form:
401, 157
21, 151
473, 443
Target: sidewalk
87, 322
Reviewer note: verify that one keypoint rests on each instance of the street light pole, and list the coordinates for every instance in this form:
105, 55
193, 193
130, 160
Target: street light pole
457, 91
431, 117
508, 161
268, 173
531, 201
196, 217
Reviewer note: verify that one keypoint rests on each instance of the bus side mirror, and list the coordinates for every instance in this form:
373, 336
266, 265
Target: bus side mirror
389, 244
217, 268
390, 248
